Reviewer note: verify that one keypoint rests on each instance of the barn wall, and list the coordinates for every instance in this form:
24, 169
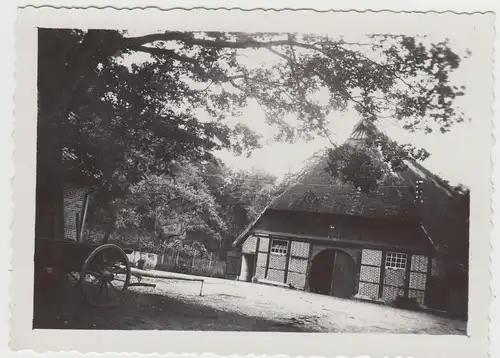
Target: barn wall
289, 268
379, 282
74, 196
355, 229
370, 274
298, 264
374, 281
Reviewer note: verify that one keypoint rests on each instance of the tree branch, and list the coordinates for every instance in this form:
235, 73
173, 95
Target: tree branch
189, 39
138, 42
161, 52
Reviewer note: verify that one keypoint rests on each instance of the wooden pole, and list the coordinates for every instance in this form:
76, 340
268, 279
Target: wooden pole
77, 224
201, 288
382, 275
333, 273
84, 217
407, 275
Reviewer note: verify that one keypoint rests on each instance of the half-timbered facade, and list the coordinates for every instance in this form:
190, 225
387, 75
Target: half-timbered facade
325, 236
340, 256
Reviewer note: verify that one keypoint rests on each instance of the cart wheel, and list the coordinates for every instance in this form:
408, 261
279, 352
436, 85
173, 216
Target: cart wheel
105, 275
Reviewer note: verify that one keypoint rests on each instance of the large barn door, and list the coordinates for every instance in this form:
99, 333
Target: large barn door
344, 276
322, 272
233, 265
333, 273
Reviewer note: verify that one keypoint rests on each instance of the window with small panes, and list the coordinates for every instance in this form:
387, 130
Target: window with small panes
279, 247
395, 260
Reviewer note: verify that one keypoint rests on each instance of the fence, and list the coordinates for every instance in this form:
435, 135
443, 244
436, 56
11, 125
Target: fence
192, 265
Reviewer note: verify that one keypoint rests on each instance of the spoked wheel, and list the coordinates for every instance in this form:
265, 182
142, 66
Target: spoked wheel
105, 275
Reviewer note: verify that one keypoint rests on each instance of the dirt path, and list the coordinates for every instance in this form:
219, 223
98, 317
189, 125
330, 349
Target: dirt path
238, 306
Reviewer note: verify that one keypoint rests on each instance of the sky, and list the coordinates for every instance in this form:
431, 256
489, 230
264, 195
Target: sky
451, 153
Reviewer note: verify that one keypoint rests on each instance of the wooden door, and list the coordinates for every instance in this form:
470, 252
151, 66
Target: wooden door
321, 272
344, 276
233, 264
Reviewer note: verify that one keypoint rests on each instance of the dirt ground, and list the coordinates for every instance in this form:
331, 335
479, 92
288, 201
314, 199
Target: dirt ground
234, 306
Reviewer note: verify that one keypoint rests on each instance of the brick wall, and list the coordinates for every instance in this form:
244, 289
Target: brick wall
73, 204
410, 281
286, 268
373, 281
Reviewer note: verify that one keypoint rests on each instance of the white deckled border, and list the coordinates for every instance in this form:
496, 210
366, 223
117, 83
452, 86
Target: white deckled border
303, 344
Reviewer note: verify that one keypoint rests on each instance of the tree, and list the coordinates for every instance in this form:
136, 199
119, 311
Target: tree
196, 207
407, 80
171, 205
241, 195
358, 166
374, 159
159, 210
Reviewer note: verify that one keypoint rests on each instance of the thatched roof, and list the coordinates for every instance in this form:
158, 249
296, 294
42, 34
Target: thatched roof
388, 202
315, 191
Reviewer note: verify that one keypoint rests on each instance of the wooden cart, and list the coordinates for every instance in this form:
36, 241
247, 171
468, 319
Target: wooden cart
102, 272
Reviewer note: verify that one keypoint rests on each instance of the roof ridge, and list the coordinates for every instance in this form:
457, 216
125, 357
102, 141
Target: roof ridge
252, 224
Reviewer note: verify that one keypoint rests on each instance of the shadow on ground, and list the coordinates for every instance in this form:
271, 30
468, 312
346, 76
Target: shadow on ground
230, 306
65, 309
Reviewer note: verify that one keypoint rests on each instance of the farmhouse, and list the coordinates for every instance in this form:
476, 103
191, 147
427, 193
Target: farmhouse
324, 236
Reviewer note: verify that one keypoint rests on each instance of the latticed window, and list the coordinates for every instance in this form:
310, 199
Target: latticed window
394, 260
279, 247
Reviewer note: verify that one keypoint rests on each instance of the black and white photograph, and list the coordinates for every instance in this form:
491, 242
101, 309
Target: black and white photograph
331, 178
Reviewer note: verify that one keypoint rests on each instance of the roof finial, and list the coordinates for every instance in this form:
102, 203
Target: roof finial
360, 132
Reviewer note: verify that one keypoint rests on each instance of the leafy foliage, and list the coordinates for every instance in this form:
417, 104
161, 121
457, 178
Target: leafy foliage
169, 206
358, 166
242, 195
194, 208
373, 158
123, 115
126, 124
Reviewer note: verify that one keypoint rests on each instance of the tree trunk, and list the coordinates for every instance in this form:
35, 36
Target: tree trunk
49, 186
63, 63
